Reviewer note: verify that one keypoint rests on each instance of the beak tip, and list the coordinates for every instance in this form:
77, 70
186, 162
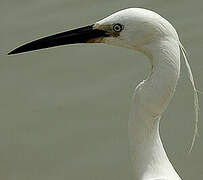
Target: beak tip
11, 52
16, 51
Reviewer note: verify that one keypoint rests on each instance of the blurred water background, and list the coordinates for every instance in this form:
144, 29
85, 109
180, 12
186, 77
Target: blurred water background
64, 111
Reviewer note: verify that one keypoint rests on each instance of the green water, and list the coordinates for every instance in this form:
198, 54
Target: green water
64, 111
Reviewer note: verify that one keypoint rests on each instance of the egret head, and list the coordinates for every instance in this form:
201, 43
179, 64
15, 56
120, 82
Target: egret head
133, 28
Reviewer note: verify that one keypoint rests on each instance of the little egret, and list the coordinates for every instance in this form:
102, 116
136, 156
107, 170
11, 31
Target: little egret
145, 31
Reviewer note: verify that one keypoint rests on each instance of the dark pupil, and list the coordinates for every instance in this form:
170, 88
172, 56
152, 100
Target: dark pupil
117, 27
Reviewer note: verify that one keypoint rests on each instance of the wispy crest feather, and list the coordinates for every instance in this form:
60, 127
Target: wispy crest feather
196, 101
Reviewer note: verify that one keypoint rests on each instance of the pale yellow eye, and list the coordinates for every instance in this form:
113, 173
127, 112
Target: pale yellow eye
117, 27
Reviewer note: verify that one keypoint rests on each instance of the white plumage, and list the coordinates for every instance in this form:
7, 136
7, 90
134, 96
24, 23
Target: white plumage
151, 34
145, 31
148, 32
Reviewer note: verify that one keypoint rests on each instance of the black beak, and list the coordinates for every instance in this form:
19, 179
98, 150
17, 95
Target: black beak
80, 35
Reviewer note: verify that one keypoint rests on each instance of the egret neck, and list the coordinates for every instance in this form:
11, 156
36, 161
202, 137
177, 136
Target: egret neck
150, 100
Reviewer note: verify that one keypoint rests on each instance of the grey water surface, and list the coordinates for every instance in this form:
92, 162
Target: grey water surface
64, 111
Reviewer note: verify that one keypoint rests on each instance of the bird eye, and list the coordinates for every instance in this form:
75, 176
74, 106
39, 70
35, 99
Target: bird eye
117, 27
